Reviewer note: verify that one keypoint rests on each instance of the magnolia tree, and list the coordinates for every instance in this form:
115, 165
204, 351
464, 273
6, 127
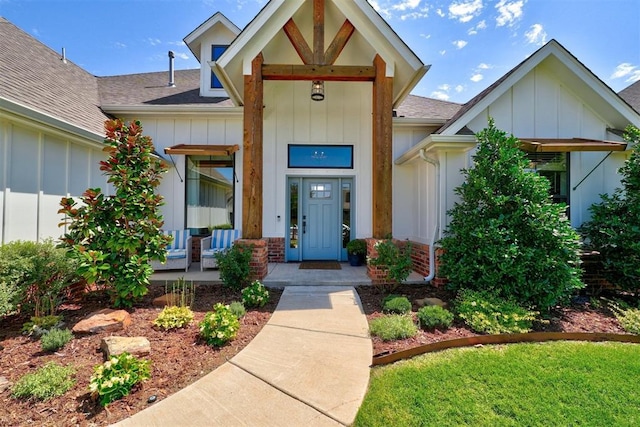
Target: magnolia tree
506, 235
614, 229
115, 237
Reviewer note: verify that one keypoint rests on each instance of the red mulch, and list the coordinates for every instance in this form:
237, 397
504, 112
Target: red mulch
178, 358
580, 317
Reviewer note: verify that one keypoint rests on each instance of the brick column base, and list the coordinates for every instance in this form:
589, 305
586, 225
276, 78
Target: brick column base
377, 274
259, 264
276, 249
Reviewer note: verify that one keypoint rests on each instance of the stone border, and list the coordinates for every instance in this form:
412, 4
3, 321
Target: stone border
384, 359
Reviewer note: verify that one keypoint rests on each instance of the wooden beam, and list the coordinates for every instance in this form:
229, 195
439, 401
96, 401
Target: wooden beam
202, 150
339, 42
382, 151
252, 152
299, 43
343, 73
318, 32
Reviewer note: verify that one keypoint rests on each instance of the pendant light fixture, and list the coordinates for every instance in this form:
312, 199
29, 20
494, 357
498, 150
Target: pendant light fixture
317, 90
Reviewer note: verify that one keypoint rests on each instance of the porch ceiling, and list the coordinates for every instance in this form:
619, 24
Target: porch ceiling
538, 145
202, 150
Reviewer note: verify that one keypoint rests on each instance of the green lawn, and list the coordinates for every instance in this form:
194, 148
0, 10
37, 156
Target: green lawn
550, 384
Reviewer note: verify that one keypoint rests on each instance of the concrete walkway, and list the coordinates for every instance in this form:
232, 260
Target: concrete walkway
309, 366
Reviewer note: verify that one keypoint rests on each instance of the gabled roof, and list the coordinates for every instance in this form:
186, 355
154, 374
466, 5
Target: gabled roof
405, 67
193, 40
35, 78
574, 74
419, 107
631, 94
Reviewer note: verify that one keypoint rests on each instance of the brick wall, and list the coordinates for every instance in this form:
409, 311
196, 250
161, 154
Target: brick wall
195, 248
276, 249
259, 264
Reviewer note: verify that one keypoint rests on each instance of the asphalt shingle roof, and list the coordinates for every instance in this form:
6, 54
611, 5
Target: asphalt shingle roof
35, 76
631, 94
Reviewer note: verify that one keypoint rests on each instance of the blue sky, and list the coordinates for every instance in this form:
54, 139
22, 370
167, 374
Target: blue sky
469, 43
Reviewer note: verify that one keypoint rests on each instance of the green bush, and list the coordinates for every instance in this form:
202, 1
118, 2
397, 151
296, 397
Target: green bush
357, 247
393, 327
506, 235
222, 227
116, 377
393, 260
55, 339
38, 326
174, 317
49, 381
237, 308
396, 304
614, 229
219, 326
434, 317
233, 264
488, 313
114, 238
34, 277
629, 318
255, 295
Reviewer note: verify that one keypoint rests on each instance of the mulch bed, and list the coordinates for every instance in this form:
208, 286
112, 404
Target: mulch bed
178, 358
578, 317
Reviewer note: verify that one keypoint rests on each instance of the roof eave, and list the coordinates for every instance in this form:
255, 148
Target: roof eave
435, 142
171, 110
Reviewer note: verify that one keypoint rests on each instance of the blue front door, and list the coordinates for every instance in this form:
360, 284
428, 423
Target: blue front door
321, 229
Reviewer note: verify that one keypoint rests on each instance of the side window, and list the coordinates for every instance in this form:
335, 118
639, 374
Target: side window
555, 167
216, 52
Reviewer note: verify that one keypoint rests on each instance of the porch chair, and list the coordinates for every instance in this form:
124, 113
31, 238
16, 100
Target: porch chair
178, 252
219, 240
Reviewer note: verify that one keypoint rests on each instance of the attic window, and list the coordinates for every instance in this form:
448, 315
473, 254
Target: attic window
216, 53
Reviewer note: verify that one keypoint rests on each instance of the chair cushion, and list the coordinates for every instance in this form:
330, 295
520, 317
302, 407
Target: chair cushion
221, 239
210, 253
176, 253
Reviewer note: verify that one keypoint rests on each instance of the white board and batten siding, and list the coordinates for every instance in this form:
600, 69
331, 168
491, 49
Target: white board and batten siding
540, 106
37, 169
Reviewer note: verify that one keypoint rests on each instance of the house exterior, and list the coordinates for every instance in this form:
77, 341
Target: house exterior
248, 145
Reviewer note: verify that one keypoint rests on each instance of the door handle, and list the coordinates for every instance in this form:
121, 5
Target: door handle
304, 227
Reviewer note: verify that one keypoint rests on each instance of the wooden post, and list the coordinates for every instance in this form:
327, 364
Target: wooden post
382, 151
252, 152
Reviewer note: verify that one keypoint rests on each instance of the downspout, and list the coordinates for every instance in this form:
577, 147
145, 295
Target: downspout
432, 246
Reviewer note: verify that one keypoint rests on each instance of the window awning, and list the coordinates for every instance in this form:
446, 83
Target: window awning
202, 150
560, 145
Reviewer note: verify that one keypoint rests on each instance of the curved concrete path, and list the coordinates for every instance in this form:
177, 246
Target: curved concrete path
309, 366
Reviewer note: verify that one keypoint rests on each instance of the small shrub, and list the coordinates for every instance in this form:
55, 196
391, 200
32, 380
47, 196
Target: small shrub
8, 298
49, 381
173, 317
357, 247
238, 309
487, 313
396, 305
222, 227
38, 326
219, 326
434, 317
116, 377
255, 295
393, 260
233, 265
55, 339
393, 327
182, 292
629, 318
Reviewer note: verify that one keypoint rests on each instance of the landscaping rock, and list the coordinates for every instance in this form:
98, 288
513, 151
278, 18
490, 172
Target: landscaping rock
165, 300
4, 384
113, 346
431, 301
106, 320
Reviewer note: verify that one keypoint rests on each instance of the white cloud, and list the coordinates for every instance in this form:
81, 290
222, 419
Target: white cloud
474, 30
440, 13
445, 87
630, 72
536, 35
177, 43
459, 88
153, 42
459, 44
484, 66
443, 96
407, 9
425, 36
406, 5
182, 55
476, 77
465, 10
509, 12
442, 52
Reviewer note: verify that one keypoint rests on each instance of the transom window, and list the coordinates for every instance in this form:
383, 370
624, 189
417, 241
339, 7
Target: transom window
321, 156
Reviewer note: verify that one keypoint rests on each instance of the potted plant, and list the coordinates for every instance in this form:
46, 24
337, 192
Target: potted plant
356, 251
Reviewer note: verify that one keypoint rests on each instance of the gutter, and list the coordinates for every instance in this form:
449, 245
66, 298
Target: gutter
432, 246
